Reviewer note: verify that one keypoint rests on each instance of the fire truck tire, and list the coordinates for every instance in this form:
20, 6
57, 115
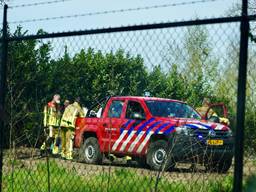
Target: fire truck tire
156, 156
90, 151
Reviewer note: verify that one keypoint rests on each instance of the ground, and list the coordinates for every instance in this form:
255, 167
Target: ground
24, 170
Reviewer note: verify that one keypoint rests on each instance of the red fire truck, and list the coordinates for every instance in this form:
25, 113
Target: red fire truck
156, 131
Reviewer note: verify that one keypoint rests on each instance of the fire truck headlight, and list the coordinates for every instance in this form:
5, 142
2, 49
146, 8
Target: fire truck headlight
184, 130
229, 133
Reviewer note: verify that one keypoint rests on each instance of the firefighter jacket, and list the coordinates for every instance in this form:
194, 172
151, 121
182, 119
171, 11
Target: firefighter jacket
70, 114
52, 115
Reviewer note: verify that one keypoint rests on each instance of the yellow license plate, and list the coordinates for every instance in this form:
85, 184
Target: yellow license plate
214, 142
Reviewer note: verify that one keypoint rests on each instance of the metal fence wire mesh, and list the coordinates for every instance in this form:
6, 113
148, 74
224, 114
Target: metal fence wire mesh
186, 63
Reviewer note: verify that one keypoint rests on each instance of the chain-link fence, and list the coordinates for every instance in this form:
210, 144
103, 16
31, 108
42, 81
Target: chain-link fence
126, 139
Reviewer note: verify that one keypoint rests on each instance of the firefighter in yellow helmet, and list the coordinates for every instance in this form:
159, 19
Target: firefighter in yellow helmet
205, 106
67, 124
52, 116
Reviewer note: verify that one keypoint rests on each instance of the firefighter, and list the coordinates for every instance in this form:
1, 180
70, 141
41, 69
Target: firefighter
205, 106
66, 103
52, 115
67, 125
64, 106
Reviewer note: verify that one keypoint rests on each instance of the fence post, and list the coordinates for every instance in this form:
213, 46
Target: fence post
241, 97
3, 88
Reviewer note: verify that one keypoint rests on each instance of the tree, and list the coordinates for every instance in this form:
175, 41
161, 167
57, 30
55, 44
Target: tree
194, 65
176, 85
157, 82
27, 62
121, 74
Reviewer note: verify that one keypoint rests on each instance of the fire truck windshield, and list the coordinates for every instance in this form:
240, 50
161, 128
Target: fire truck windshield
171, 109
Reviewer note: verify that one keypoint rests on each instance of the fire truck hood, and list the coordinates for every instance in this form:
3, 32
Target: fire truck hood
197, 124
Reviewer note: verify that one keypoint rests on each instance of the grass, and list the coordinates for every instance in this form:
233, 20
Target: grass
23, 179
125, 180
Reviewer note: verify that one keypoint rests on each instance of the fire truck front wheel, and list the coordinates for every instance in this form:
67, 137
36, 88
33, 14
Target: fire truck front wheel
157, 156
90, 151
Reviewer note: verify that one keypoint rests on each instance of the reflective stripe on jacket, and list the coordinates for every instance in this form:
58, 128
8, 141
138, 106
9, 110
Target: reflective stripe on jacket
70, 114
51, 115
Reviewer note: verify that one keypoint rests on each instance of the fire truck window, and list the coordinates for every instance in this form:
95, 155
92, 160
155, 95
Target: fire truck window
134, 108
115, 109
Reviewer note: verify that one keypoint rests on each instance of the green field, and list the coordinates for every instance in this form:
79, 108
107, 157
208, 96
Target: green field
62, 179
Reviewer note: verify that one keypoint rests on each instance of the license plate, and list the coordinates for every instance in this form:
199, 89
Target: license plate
214, 142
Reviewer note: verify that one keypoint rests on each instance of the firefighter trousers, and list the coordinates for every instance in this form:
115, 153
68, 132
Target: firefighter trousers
67, 136
50, 142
